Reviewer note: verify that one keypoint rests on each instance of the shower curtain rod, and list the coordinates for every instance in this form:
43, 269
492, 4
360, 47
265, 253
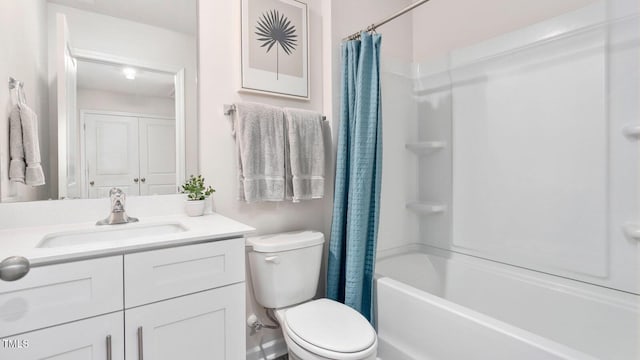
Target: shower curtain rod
374, 26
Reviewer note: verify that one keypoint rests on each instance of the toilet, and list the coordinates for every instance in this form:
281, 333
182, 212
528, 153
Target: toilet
285, 269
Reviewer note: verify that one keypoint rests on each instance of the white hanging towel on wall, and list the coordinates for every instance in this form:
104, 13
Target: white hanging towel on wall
260, 142
25, 166
305, 154
17, 165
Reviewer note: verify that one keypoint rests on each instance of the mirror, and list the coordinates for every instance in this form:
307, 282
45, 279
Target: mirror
113, 84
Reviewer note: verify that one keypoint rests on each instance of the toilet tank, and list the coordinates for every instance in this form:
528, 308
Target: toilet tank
285, 267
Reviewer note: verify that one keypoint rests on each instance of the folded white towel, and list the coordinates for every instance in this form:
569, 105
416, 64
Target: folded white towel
305, 153
17, 165
260, 142
34, 175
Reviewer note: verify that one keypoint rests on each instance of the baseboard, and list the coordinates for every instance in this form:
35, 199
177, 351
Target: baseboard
268, 351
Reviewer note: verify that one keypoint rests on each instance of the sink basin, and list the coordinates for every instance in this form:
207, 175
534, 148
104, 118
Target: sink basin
112, 233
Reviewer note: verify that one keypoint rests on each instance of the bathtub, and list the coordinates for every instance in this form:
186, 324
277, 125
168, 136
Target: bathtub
436, 304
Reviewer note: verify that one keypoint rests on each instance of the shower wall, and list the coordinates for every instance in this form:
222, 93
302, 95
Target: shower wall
521, 154
398, 225
412, 48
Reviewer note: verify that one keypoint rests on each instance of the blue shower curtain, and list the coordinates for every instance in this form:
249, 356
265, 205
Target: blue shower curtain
356, 206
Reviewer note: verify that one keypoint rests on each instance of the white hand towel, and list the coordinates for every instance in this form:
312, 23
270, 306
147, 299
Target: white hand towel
29, 120
306, 153
17, 165
260, 142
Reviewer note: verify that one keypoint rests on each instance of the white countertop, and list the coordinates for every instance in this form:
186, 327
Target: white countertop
24, 241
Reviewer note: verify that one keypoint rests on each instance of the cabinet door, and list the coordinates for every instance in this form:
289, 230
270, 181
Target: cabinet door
157, 156
80, 340
206, 325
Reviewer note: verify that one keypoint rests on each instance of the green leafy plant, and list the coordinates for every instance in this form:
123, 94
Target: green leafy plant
195, 189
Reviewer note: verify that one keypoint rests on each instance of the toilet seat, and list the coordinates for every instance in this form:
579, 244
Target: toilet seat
330, 330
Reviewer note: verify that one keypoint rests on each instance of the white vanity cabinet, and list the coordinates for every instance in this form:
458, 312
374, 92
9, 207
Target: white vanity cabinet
179, 302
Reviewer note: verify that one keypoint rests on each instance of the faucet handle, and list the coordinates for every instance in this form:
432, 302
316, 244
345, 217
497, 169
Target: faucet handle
118, 215
117, 199
115, 191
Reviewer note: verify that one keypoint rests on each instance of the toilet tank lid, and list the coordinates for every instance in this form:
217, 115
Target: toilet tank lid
285, 241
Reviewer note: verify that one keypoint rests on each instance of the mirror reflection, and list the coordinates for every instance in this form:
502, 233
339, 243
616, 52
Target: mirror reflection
113, 86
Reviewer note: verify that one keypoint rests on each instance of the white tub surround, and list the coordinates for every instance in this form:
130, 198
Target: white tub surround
431, 301
539, 169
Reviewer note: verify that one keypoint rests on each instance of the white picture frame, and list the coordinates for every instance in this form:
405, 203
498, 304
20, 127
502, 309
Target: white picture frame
275, 48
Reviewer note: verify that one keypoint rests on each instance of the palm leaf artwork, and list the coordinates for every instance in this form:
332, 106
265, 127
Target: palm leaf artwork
274, 28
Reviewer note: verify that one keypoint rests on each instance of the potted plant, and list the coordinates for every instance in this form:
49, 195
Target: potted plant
196, 192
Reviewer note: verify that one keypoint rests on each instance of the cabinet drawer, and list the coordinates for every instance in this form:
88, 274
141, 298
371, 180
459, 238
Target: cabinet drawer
54, 294
161, 274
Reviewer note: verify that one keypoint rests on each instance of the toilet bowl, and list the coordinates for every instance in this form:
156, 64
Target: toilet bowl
326, 329
284, 270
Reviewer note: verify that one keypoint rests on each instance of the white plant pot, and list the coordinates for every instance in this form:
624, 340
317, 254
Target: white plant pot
194, 207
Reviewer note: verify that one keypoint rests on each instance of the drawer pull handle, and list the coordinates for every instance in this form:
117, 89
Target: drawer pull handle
109, 355
272, 259
140, 344
14, 268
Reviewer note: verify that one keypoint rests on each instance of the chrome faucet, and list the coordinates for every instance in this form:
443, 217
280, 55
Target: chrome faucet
118, 215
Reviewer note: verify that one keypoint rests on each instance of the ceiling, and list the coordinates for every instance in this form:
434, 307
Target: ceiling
109, 77
176, 15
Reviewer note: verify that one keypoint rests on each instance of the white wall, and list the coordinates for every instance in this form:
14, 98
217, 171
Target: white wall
89, 99
123, 38
24, 56
219, 82
441, 26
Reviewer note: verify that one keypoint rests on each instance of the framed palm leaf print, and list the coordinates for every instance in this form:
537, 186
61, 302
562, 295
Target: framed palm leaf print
275, 50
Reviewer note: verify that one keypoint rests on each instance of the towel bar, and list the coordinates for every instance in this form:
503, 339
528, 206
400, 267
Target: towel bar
230, 108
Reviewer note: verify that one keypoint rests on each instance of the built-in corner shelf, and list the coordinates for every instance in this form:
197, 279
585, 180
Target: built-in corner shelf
426, 208
425, 147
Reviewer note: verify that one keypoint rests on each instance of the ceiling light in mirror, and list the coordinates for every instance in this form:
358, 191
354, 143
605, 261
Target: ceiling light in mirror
129, 73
